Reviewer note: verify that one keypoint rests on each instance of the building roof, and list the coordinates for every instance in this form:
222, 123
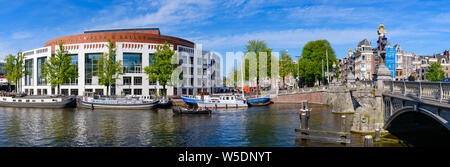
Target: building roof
123, 29
137, 35
364, 42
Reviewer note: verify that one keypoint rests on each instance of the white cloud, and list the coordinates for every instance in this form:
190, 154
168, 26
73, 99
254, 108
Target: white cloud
21, 35
176, 12
314, 12
4, 51
441, 18
289, 38
295, 38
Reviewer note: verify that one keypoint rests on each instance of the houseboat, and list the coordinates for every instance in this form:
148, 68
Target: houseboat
223, 101
38, 101
127, 103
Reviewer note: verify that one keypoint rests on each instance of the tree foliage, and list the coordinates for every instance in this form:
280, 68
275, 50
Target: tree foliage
311, 61
14, 68
163, 66
286, 66
256, 46
108, 69
435, 72
58, 70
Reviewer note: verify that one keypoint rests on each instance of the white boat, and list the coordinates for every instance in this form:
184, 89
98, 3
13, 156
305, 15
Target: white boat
223, 101
128, 102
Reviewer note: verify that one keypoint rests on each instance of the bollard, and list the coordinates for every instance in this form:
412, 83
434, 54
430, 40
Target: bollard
343, 123
303, 120
377, 134
368, 141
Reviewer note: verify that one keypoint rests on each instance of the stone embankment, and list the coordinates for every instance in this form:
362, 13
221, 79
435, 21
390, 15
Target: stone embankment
339, 100
368, 114
365, 103
312, 97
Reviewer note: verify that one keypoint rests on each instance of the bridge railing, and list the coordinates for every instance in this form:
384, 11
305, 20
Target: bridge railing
438, 91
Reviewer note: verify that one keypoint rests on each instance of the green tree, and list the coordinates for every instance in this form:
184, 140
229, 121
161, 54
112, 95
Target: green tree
315, 52
162, 67
108, 69
307, 74
435, 72
256, 47
286, 66
14, 68
58, 70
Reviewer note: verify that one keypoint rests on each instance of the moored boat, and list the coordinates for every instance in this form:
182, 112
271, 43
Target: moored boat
223, 101
192, 100
127, 103
259, 101
164, 102
38, 101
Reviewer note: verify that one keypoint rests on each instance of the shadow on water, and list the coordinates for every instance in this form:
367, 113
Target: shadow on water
417, 129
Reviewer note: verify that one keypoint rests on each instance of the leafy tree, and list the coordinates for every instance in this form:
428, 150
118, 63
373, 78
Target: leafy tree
286, 66
256, 47
314, 52
307, 74
14, 68
162, 67
108, 69
57, 70
435, 72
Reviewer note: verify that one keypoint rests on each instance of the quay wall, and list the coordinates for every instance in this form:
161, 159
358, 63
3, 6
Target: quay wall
312, 97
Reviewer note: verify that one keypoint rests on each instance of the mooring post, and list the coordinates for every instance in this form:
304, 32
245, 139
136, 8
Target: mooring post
343, 123
368, 141
377, 134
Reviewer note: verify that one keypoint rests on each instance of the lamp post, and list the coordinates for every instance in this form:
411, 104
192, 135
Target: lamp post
298, 71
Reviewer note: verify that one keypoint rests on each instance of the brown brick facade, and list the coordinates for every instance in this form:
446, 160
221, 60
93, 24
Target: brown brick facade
122, 36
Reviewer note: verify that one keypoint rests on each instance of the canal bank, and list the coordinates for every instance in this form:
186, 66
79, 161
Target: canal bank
271, 125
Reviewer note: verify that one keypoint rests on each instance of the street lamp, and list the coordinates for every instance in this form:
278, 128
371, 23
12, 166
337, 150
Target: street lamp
298, 71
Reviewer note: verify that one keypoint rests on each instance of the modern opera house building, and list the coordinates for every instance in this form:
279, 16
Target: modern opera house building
135, 48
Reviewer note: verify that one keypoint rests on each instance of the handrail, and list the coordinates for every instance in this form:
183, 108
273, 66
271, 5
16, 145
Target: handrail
437, 91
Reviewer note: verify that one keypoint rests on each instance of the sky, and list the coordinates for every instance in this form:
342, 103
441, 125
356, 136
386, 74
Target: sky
421, 27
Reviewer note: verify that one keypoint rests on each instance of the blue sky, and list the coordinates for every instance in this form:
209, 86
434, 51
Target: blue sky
421, 27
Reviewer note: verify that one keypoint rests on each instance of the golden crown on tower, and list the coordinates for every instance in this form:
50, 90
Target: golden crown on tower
381, 31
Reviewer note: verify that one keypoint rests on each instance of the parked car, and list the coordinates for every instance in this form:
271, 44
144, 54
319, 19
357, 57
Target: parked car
445, 80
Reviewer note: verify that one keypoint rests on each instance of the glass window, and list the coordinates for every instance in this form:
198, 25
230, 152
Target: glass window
73, 62
41, 79
137, 91
151, 58
132, 62
74, 92
90, 68
126, 80
126, 91
137, 80
29, 70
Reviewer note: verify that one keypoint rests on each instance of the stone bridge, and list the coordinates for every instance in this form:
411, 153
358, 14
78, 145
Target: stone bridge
428, 99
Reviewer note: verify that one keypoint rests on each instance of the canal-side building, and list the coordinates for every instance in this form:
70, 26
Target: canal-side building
135, 48
390, 59
364, 60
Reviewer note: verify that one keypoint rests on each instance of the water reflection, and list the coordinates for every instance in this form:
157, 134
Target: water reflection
257, 126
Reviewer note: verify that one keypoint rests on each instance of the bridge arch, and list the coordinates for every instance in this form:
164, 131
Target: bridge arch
414, 109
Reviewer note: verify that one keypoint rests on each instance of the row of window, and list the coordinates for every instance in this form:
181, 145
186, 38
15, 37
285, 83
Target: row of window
74, 92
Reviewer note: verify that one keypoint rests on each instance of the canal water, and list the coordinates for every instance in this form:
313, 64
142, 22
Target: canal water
266, 126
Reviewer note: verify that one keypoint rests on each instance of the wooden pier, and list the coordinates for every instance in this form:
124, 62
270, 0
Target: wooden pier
342, 137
